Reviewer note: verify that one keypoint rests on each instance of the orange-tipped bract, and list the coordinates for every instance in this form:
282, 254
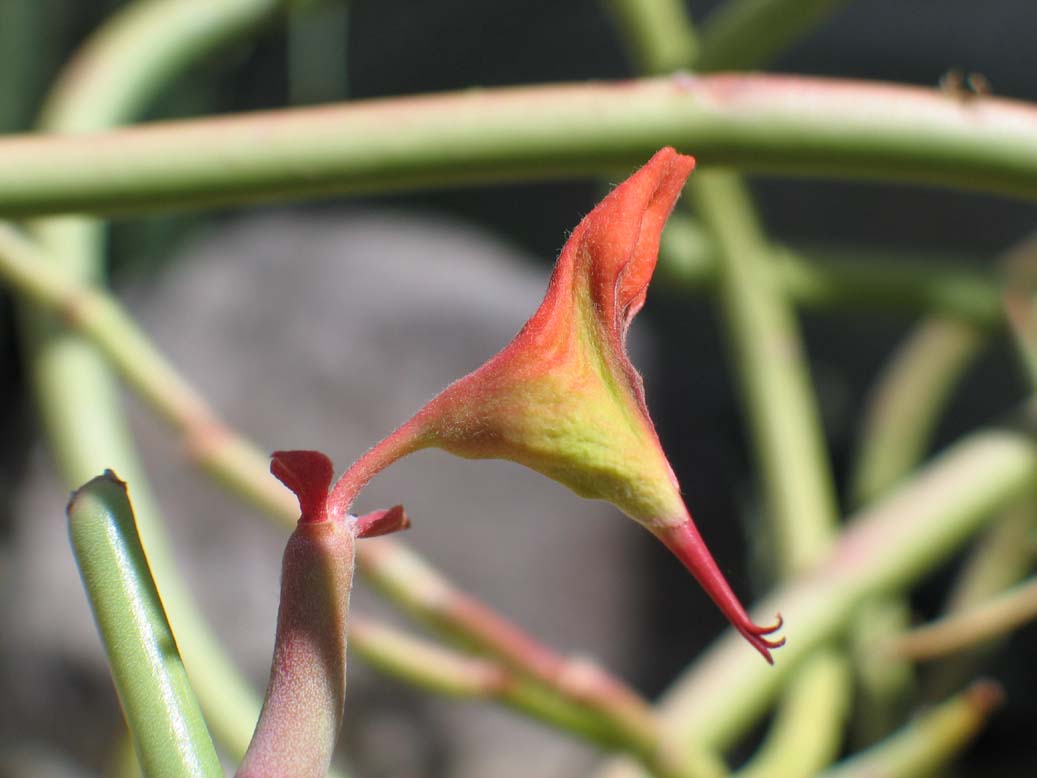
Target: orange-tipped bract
563, 399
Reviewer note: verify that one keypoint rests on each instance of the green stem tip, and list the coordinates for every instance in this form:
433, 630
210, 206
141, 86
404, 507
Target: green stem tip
164, 719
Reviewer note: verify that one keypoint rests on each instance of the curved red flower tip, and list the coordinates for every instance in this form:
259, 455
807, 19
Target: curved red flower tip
687, 545
309, 475
563, 398
383, 522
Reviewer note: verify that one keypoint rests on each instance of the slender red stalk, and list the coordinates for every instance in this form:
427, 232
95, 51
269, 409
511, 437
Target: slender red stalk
687, 545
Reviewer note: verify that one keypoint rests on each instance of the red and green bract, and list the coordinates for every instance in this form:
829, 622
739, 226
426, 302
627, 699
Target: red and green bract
563, 399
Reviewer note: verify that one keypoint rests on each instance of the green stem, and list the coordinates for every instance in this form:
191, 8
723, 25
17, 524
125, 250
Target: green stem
773, 376
837, 278
743, 34
790, 125
816, 694
164, 719
929, 743
907, 402
110, 79
588, 694
885, 549
963, 629
1004, 555
658, 34
444, 671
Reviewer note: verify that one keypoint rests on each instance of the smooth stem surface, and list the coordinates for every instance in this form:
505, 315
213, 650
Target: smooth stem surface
929, 743
973, 626
658, 34
165, 722
779, 124
908, 400
1005, 554
743, 34
111, 79
815, 695
837, 278
443, 671
773, 376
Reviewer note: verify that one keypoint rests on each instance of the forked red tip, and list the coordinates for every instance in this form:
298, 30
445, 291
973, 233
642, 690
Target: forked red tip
687, 545
308, 474
382, 522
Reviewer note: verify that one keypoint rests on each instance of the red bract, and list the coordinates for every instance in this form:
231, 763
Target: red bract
564, 399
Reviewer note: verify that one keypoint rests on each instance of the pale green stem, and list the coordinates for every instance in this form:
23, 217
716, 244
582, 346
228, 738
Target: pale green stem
1004, 555
743, 34
789, 124
443, 671
929, 743
840, 278
1021, 311
816, 695
774, 378
885, 686
163, 716
785, 426
424, 664
963, 629
110, 80
885, 549
908, 400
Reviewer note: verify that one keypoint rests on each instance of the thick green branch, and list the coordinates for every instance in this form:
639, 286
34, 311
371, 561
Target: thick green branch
164, 719
788, 125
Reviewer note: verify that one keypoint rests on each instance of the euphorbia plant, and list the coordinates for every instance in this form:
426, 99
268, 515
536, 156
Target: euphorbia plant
302, 711
563, 398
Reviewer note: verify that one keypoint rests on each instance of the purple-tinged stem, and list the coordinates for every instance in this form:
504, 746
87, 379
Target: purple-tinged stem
302, 711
